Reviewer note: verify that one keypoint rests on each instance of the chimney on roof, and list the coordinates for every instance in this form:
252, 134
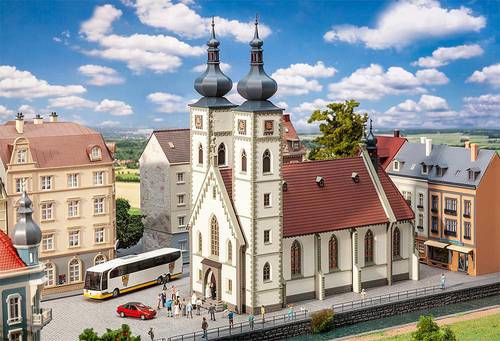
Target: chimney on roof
422, 139
474, 150
38, 119
286, 117
396, 132
53, 117
467, 144
20, 123
428, 147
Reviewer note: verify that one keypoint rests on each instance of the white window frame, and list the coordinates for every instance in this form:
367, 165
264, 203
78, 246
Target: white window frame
181, 202
180, 177
396, 166
100, 255
100, 235
183, 225
46, 182
73, 180
99, 206
70, 272
45, 243
98, 178
95, 153
17, 319
182, 244
421, 199
47, 211
22, 156
21, 184
425, 169
73, 208
72, 241
269, 204
51, 280
18, 333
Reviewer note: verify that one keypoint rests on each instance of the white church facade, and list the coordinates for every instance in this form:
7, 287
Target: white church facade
267, 233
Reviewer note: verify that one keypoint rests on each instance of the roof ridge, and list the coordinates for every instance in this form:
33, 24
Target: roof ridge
318, 161
169, 130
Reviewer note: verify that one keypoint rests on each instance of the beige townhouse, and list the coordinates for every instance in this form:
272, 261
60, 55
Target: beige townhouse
66, 169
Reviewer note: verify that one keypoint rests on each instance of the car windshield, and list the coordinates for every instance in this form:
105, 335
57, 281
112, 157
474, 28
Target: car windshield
93, 280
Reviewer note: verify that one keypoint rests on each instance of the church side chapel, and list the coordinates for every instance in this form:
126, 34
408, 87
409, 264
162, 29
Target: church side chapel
265, 232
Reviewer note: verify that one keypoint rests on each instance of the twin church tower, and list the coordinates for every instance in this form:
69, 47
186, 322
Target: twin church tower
236, 167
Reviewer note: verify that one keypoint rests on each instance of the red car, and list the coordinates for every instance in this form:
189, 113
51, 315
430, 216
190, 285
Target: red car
136, 309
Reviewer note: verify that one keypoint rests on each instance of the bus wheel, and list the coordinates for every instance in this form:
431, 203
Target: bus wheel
167, 278
159, 280
116, 292
122, 314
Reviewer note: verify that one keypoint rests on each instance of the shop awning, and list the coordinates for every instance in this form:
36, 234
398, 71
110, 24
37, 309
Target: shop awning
435, 243
462, 249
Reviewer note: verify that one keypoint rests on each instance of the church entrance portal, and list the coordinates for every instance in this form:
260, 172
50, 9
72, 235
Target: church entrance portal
210, 285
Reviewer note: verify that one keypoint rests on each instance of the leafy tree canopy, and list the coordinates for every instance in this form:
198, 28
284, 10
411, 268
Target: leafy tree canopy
342, 130
129, 227
122, 334
429, 330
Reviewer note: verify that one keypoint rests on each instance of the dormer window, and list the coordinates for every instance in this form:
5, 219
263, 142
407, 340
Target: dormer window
425, 169
295, 145
22, 156
396, 166
95, 153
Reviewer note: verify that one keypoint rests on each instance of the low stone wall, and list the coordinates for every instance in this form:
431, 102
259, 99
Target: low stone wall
281, 332
419, 303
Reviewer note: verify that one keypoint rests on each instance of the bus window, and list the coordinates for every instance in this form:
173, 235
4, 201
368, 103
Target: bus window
92, 280
114, 273
131, 268
104, 283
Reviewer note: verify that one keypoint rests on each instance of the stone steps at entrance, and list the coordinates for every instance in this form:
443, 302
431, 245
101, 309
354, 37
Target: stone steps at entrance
219, 305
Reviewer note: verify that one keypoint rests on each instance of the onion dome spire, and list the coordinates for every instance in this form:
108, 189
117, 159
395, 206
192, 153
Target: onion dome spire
257, 85
371, 146
26, 231
213, 82
371, 140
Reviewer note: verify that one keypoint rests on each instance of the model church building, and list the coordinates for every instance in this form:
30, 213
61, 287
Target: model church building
266, 232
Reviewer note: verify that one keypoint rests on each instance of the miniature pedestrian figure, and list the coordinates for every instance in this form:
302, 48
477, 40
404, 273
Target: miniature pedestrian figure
176, 309
230, 316
193, 299
211, 310
164, 293
363, 294
174, 293
169, 308
290, 311
189, 310
251, 321
198, 306
159, 301
443, 281
204, 326
151, 333
263, 314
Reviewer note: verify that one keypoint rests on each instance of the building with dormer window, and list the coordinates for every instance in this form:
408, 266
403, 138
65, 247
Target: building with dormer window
67, 170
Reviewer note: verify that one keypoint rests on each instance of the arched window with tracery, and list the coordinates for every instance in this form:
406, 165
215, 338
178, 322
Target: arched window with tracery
200, 243
266, 161
369, 247
266, 272
99, 259
74, 270
229, 251
243, 161
50, 273
221, 154
200, 154
214, 237
396, 242
333, 253
296, 254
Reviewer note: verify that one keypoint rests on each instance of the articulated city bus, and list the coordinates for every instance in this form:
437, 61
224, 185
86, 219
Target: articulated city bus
132, 272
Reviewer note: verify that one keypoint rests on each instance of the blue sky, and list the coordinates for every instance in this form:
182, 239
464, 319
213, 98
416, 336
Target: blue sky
411, 64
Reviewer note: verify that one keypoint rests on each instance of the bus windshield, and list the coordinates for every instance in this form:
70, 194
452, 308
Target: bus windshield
93, 280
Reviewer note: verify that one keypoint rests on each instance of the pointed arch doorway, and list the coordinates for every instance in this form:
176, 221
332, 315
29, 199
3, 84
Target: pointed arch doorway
211, 279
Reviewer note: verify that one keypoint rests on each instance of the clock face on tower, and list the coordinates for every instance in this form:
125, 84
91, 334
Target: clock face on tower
268, 127
198, 121
242, 127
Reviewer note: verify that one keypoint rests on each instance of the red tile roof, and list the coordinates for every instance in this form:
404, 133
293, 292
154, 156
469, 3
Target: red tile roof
341, 203
54, 144
227, 177
289, 132
176, 138
9, 259
388, 147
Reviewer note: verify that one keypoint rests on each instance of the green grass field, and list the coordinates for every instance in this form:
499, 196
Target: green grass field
482, 329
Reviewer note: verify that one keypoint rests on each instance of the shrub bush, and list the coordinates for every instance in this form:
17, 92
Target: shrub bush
428, 330
322, 321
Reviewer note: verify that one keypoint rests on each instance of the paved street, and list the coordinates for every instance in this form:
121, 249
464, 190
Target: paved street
73, 314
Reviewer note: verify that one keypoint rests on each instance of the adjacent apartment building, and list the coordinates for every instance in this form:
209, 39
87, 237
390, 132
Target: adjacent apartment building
454, 192
67, 171
166, 184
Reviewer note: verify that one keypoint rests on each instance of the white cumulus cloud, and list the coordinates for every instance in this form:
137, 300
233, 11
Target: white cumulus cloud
309, 107
6, 113
71, 102
100, 23
444, 55
115, 108
168, 103
489, 74
100, 75
301, 78
15, 83
406, 22
225, 67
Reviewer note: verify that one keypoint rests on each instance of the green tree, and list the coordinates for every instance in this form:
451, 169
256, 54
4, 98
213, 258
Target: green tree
428, 330
129, 227
122, 334
342, 130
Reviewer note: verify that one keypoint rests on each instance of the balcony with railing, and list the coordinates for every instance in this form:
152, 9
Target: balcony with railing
42, 318
450, 211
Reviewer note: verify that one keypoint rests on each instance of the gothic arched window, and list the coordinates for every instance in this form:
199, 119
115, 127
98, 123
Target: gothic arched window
229, 251
221, 155
214, 237
333, 253
243, 161
396, 242
200, 155
266, 161
200, 242
50, 273
296, 254
266, 272
369, 247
